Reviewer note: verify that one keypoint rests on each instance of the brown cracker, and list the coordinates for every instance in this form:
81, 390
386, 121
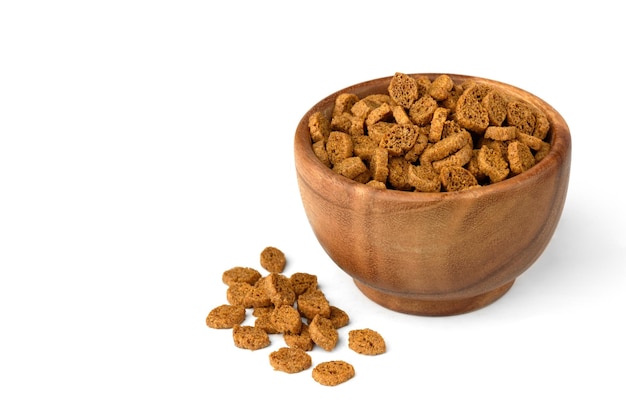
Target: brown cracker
313, 303
492, 163
454, 179
273, 260
300, 340
279, 289
287, 319
250, 338
403, 89
333, 373
225, 316
441, 109
323, 333
302, 282
338, 317
366, 341
240, 274
520, 157
290, 360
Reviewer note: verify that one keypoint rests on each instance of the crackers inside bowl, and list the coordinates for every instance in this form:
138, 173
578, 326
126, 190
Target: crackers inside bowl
434, 192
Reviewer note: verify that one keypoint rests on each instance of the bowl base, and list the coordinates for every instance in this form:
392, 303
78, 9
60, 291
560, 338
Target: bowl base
415, 306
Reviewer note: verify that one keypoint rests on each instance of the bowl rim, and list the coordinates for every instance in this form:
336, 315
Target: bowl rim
307, 162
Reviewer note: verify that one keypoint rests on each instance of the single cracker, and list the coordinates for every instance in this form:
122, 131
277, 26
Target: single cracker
422, 111
363, 107
279, 289
236, 293
333, 373
290, 360
520, 157
459, 158
400, 115
353, 168
257, 296
339, 146
338, 317
403, 89
436, 125
398, 139
348, 123
501, 133
344, 102
531, 141
250, 338
319, 148
495, 105
521, 115
323, 333
470, 113
364, 146
240, 274
447, 146
225, 316
379, 162
379, 114
301, 340
398, 173
303, 282
542, 125
366, 341
454, 178
319, 127
273, 260
376, 184
313, 303
414, 153
440, 87
287, 319
266, 323
474, 169
424, 178
541, 153
492, 163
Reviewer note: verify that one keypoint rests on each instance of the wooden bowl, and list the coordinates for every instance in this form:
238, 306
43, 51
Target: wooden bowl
442, 253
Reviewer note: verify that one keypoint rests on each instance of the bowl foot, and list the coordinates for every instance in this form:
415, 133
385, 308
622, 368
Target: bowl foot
429, 307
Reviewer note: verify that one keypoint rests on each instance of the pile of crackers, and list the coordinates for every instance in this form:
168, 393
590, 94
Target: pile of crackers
294, 307
430, 135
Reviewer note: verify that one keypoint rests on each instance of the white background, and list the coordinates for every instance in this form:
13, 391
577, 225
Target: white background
146, 147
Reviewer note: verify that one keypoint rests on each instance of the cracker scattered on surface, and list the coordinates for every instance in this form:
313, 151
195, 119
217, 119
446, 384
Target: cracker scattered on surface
241, 274
313, 303
279, 290
333, 373
290, 360
287, 319
366, 341
237, 292
273, 260
300, 340
323, 333
338, 317
303, 282
225, 316
258, 296
250, 338
293, 307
